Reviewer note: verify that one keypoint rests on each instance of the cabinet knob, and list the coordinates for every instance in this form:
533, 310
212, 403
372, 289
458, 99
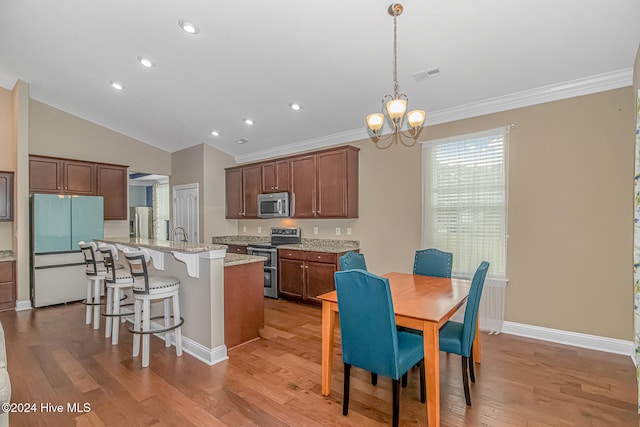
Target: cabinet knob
319, 257
306, 266
302, 266
276, 188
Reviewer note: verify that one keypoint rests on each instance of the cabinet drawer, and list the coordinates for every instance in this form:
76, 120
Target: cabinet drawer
6, 293
237, 249
320, 257
6, 271
289, 254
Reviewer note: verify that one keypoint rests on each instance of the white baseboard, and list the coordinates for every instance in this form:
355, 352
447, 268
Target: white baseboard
593, 342
210, 356
24, 304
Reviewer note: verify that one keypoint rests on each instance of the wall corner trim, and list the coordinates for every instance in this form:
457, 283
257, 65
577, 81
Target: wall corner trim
593, 342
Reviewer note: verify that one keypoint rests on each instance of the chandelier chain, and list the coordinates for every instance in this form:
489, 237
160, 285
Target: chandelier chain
396, 86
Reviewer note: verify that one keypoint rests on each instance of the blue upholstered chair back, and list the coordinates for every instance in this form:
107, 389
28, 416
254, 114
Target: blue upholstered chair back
367, 322
471, 312
433, 262
352, 261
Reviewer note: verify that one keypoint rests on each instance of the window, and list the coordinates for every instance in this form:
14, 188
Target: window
464, 200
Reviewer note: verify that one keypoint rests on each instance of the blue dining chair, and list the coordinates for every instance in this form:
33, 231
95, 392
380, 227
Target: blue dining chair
369, 337
352, 261
433, 262
457, 338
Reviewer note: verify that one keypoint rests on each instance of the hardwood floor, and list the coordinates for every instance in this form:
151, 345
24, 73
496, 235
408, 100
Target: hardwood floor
54, 358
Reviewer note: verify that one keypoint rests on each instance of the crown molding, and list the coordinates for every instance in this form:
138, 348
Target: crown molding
570, 89
527, 98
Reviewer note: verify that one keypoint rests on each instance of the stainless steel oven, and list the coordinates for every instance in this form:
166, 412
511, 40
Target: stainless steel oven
279, 236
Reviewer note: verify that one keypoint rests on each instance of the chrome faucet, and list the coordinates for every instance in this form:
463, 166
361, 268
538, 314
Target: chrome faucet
184, 233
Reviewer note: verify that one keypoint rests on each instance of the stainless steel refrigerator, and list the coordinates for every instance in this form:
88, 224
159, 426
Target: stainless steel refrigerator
58, 223
141, 222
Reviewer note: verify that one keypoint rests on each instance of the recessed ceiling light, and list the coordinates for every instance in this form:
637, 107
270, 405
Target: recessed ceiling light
146, 62
188, 26
241, 141
215, 133
116, 85
249, 121
295, 106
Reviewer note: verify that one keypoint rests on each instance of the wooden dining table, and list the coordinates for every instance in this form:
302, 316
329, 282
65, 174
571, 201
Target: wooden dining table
424, 303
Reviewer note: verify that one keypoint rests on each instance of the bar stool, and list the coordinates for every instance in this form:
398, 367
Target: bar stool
96, 273
145, 290
117, 281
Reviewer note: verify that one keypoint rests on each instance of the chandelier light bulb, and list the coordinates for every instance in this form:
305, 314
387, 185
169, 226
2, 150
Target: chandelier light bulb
396, 108
374, 121
416, 118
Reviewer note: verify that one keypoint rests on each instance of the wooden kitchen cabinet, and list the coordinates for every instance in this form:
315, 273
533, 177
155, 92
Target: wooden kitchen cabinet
45, 175
7, 285
304, 275
6, 196
66, 176
325, 184
112, 186
275, 176
303, 187
242, 186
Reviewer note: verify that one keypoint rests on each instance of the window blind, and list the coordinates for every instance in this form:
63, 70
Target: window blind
464, 199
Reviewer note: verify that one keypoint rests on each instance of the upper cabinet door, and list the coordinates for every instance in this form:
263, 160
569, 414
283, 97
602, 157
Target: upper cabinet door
303, 187
6, 196
45, 175
234, 197
337, 183
79, 178
251, 186
112, 186
268, 177
282, 169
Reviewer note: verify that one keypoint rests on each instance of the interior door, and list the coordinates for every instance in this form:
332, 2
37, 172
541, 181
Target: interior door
185, 210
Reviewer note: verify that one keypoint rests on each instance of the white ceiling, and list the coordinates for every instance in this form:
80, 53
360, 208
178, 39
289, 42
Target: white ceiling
251, 58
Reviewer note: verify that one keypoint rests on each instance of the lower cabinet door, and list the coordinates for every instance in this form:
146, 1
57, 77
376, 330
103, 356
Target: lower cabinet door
319, 279
291, 277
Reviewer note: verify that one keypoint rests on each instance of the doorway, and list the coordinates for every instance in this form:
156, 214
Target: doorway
149, 198
185, 210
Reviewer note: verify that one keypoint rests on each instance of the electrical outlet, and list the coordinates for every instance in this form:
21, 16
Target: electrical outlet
315, 230
259, 229
244, 229
337, 231
348, 231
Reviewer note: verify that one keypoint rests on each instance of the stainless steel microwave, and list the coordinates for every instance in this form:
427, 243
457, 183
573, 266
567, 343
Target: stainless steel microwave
273, 205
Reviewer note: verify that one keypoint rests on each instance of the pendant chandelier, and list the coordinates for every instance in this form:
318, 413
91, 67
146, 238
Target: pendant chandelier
396, 104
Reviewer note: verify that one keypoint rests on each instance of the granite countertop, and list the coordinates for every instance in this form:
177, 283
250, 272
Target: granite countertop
237, 259
7, 256
164, 245
324, 245
238, 240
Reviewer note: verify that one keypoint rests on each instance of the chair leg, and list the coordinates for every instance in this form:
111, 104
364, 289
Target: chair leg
177, 334
345, 394
423, 388
404, 379
97, 290
89, 301
115, 321
465, 380
146, 325
374, 379
167, 318
108, 321
396, 403
472, 374
137, 319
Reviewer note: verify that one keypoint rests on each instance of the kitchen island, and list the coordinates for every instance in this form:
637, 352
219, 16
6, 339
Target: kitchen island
201, 270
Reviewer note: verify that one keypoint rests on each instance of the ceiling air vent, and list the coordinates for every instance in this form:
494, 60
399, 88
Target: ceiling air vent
423, 75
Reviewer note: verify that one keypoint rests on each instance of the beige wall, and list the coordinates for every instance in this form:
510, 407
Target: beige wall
205, 165
570, 211
53, 132
7, 158
213, 202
